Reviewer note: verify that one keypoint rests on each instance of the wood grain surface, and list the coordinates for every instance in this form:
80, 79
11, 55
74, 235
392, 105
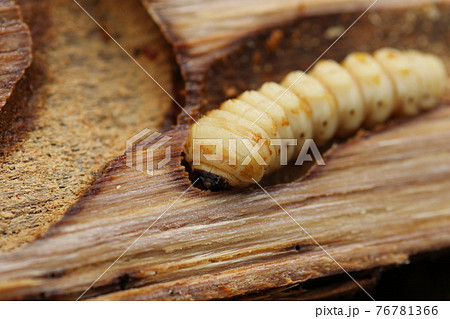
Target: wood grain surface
378, 200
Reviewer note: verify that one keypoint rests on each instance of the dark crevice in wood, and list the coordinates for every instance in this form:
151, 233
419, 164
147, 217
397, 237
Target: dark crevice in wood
424, 277
179, 94
335, 287
18, 116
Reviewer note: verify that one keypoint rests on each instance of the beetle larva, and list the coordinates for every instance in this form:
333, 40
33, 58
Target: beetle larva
332, 99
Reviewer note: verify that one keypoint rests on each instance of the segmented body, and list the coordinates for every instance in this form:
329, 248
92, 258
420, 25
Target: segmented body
331, 99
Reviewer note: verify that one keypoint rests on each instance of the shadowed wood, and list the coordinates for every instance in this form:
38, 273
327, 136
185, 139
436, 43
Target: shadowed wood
380, 199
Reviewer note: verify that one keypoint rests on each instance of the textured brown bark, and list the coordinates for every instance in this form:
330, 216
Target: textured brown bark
75, 107
380, 199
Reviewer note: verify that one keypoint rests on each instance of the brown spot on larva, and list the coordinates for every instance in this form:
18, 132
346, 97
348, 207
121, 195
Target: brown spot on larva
410, 100
230, 159
248, 171
284, 122
302, 135
208, 149
275, 127
391, 55
376, 79
256, 137
325, 123
352, 112
305, 106
361, 57
380, 104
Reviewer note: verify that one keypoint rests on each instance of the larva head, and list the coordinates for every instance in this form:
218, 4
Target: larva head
206, 174
217, 151
210, 180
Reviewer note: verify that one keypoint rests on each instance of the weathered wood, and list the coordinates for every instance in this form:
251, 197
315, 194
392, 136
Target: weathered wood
367, 208
380, 199
15, 48
15, 58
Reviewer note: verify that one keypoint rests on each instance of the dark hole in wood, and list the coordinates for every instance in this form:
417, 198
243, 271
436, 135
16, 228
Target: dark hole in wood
123, 281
